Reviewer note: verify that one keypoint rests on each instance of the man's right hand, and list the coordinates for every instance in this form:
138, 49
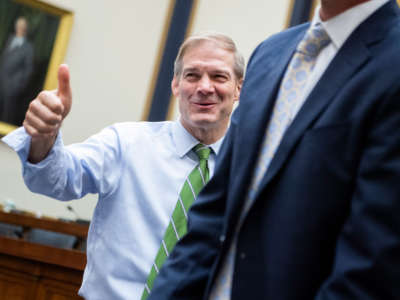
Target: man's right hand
45, 115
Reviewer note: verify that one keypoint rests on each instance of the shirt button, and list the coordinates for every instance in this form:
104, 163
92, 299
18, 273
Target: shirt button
242, 255
222, 238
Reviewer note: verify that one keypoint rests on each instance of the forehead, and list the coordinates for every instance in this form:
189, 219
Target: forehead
208, 54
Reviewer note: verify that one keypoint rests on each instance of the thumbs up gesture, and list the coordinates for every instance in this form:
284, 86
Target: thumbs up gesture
45, 115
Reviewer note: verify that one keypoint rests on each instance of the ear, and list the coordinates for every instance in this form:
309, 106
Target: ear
238, 89
175, 86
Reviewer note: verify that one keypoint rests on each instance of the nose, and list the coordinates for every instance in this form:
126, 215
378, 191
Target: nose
205, 85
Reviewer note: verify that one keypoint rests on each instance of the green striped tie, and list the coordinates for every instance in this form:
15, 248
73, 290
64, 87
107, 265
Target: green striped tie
177, 226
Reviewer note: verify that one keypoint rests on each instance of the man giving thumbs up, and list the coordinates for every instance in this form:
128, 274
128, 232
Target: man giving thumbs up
136, 168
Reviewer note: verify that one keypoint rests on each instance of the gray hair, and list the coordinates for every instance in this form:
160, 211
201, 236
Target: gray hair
222, 41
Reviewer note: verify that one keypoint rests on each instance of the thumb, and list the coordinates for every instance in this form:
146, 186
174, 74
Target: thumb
64, 89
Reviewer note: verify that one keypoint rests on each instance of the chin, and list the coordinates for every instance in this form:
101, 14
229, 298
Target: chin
204, 123
203, 119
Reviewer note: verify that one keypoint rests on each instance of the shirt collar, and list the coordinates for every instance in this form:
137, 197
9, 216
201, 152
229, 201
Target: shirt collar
185, 142
339, 28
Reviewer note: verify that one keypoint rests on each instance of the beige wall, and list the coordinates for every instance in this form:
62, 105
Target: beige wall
111, 54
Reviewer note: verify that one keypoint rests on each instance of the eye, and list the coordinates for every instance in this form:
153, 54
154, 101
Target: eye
191, 76
221, 77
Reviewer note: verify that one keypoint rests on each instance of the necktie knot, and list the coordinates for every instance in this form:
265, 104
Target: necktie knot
202, 151
315, 39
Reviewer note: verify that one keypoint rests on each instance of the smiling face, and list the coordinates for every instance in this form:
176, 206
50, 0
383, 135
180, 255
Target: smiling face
206, 88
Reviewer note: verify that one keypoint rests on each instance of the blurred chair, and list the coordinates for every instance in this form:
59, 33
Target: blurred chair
50, 238
9, 230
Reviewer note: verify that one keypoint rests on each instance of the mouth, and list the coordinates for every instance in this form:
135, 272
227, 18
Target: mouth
204, 104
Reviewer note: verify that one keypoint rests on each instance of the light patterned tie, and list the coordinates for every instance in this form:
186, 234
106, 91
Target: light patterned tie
287, 104
177, 226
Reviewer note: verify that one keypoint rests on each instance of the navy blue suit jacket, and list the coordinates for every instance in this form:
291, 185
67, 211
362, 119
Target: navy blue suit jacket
326, 220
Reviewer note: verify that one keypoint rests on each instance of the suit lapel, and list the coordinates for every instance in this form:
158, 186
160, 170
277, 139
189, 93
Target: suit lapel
260, 95
322, 95
352, 56
256, 103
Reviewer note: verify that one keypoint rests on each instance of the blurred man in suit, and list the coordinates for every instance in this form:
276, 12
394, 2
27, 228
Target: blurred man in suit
16, 62
305, 201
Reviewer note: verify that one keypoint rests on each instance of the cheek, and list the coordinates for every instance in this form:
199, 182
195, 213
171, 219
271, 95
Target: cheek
227, 90
227, 109
185, 90
184, 107
228, 96
182, 93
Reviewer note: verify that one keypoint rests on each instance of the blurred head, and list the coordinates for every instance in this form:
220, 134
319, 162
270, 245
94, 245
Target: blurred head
21, 26
208, 75
332, 8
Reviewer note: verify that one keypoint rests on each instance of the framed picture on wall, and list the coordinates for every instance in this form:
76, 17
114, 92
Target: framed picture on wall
33, 42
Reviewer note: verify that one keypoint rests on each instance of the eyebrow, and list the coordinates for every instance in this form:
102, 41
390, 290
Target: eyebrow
216, 71
190, 70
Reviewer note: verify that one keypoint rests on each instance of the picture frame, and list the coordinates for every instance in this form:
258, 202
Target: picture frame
29, 65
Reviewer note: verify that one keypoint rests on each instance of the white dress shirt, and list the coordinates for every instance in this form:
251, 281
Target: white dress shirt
137, 169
